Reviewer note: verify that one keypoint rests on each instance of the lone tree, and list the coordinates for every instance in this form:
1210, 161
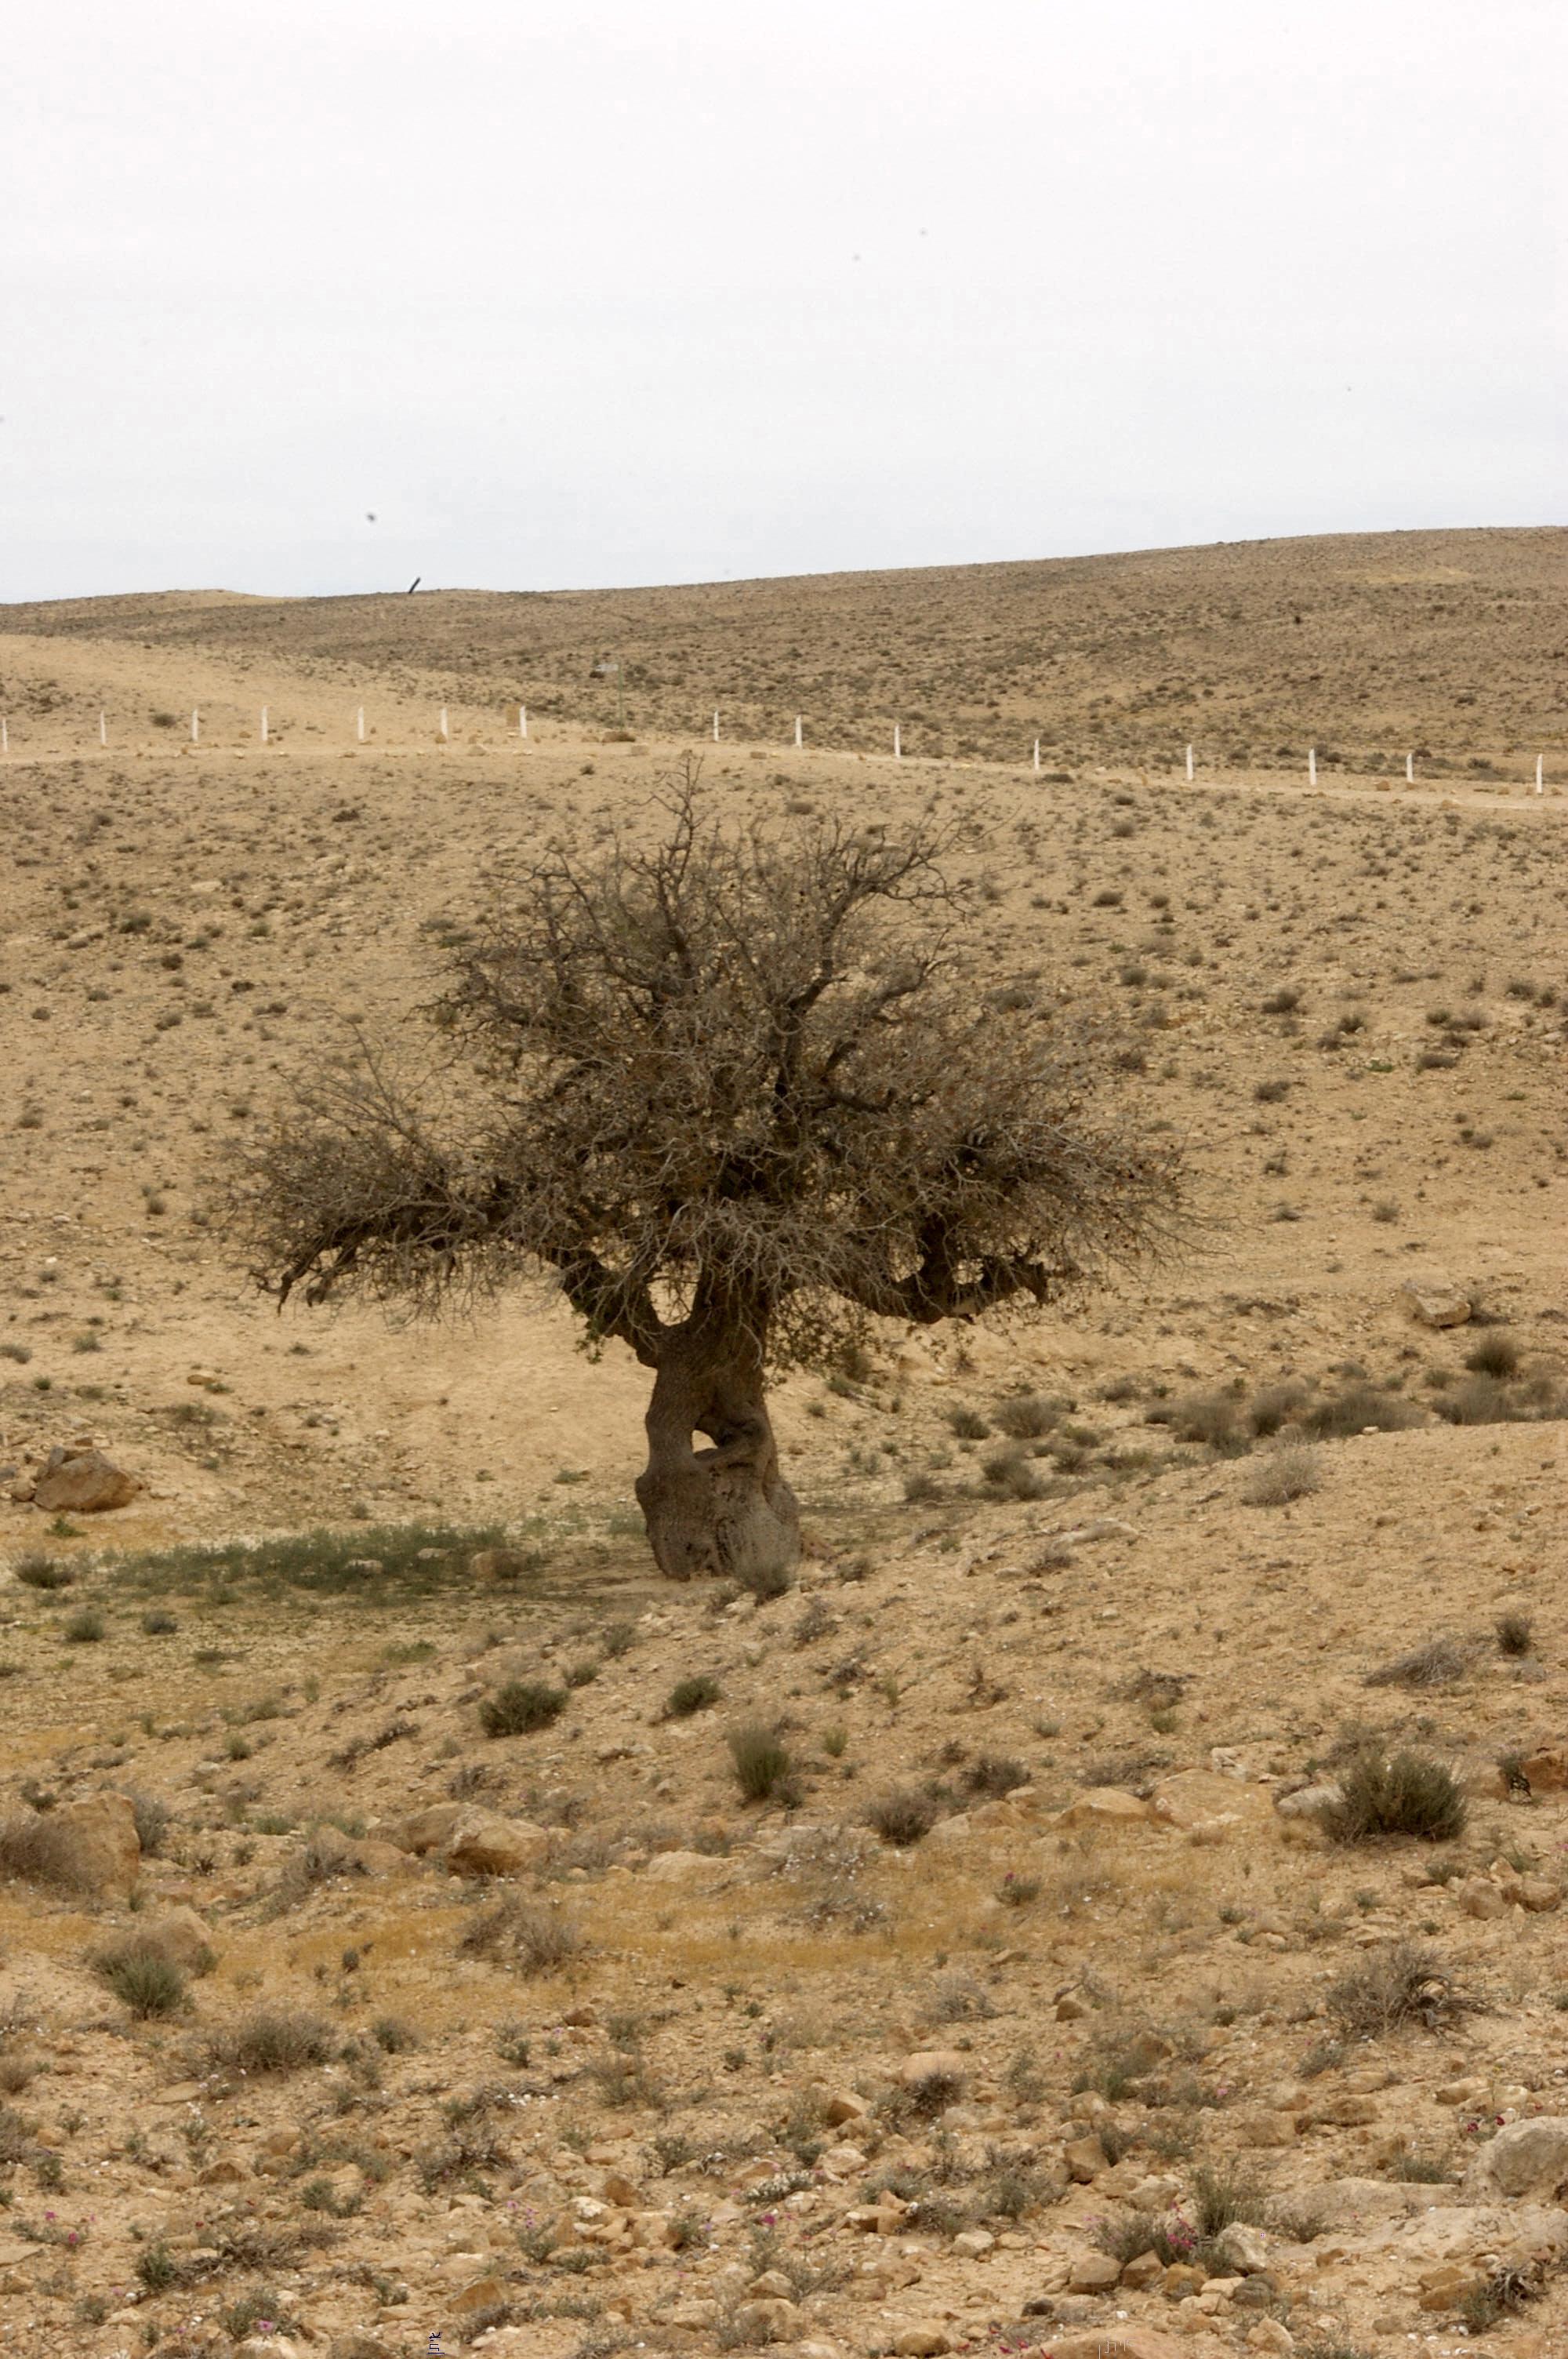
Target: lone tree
729, 1087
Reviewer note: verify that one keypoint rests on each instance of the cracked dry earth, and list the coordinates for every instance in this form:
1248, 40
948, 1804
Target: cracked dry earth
1038, 2007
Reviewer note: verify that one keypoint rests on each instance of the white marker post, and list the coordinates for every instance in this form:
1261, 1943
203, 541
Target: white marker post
445, 731
1540, 774
1189, 766
1409, 769
103, 729
1311, 766
263, 725
897, 742
716, 728
360, 725
799, 740
195, 727
1037, 753
522, 720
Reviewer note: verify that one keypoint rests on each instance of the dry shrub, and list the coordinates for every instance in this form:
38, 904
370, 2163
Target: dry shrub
1437, 1664
902, 1817
1293, 1471
524, 1934
1025, 1417
273, 2039
1409, 1794
34, 1847
1406, 1983
1360, 1405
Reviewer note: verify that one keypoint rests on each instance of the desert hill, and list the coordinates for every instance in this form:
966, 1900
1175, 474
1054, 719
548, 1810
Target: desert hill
1036, 1997
1368, 645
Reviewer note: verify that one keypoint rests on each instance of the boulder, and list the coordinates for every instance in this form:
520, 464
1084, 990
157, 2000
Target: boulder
1546, 1772
1105, 1806
923, 2338
1526, 2158
1260, 2126
1116, 2341
358, 2345
1241, 2251
82, 1482
483, 1842
1143, 2273
1199, 1799
683, 1867
1435, 1302
1085, 2158
487, 2292
426, 1830
1093, 2272
973, 2243
498, 1564
845, 2105
932, 2064
768, 2320
102, 1851
181, 1936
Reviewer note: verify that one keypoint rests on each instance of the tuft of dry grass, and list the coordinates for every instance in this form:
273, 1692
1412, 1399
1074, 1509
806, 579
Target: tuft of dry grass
1293, 1471
1406, 1983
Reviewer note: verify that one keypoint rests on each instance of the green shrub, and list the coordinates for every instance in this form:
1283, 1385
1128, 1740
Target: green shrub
1359, 1405
85, 1627
1494, 1356
1409, 1794
520, 1707
902, 1818
1291, 1471
141, 1978
693, 1694
1515, 1633
37, 1570
764, 1768
1026, 1415
968, 1425
273, 2039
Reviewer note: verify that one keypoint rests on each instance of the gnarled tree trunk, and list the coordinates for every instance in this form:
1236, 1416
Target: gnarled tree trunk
726, 1509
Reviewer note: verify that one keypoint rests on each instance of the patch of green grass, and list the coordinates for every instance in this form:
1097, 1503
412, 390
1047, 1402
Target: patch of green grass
520, 1707
414, 1560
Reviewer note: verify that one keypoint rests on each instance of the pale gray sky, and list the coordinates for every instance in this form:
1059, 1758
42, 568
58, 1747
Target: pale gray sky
671, 289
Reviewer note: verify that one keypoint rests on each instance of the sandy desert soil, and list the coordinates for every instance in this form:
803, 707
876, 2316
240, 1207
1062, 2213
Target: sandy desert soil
650, 2085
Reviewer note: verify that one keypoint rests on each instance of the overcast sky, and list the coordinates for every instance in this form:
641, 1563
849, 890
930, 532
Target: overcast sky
646, 290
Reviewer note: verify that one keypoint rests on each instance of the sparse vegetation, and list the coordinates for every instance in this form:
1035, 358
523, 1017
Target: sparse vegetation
521, 1707
1405, 1794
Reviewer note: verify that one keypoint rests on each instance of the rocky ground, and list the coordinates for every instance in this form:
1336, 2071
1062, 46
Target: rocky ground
422, 1921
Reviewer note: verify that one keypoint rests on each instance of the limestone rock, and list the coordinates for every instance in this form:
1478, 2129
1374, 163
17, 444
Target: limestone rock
1085, 2158
771, 2320
82, 1482
1093, 2272
1307, 1801
844, 2105
480, 2293
1546, 1771
1526, 2158
1271, 2334
923, 2338
426, 1830
358, 2345
1260, 2126
1105, 1806
683, 1867
1195, 1799
932, 2064
497, 1564
1144, 2272
181, 1936
1478, 1897
1117, 2342
105, 1851
483, 1842
1242, 2250
1435, 1302
973, 2243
